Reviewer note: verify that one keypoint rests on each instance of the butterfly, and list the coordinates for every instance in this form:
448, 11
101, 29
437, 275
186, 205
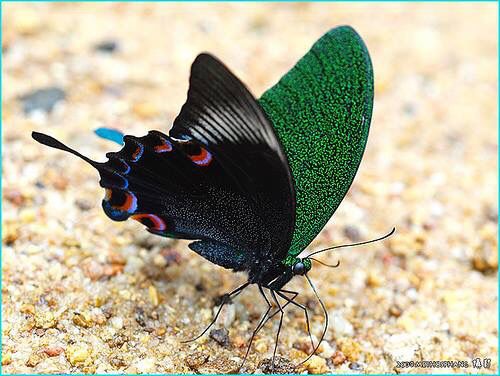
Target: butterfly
250, 182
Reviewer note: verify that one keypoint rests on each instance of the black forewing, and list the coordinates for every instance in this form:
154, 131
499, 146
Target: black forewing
223, 115
220, 177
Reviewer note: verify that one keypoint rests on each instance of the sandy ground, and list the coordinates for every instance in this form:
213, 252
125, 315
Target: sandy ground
81, 293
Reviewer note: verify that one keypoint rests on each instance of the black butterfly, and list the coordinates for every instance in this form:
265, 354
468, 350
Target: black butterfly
220, 178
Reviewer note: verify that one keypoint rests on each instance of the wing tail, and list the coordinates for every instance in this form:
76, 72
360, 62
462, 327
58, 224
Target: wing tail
56, 144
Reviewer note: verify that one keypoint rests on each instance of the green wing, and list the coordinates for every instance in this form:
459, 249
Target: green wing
321, 110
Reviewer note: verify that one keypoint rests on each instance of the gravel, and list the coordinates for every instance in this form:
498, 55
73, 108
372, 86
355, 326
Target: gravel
83, 294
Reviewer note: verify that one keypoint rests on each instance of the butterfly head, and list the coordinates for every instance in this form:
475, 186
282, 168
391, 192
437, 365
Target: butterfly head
301, 266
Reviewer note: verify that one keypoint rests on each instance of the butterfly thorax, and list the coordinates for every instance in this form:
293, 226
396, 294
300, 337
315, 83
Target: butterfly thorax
276, 275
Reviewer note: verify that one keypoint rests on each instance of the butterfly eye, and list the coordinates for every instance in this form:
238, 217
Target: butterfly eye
299, 268
151, 221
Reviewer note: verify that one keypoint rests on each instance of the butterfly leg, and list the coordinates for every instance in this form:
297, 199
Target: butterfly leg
279, 328
292, 301
226, 298
288, 301
259, 325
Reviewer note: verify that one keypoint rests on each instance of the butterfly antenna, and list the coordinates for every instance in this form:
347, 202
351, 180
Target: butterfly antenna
325, 312
354, 244
53, 143
324, 263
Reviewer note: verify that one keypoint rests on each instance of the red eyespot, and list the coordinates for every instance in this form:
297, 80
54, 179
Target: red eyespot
121, 200
130, 203
165, 146
203, 158
151, 221
136, 155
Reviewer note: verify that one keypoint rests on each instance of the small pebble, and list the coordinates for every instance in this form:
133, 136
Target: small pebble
304, 345
326, 350
350, 348
160, 331
84, 205
373, 279
106, 46
153, 295
99, 301
340, 327
27, 215
93, 270
261, 345
10, 234
491, 213
53, 351
100, 318
40, 332
221, 336
485, 257
35, 359
45, 319
117, 361
352, 233
77, 353
42, 99
116, 258
113, 270
117, 322
228, 315
14, 196
82, 319
316, 365
239, 342
395, 311
355, 366
159, 261
6, 358
146, 365
171, 255
117, 341
338, 358
140, 316
28, 309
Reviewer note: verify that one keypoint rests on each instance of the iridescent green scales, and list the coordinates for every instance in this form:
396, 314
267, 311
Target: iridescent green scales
321, 111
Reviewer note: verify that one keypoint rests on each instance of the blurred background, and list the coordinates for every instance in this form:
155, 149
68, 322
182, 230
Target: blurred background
81, 293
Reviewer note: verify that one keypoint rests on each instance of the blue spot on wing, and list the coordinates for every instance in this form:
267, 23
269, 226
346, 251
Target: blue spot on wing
110, 134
